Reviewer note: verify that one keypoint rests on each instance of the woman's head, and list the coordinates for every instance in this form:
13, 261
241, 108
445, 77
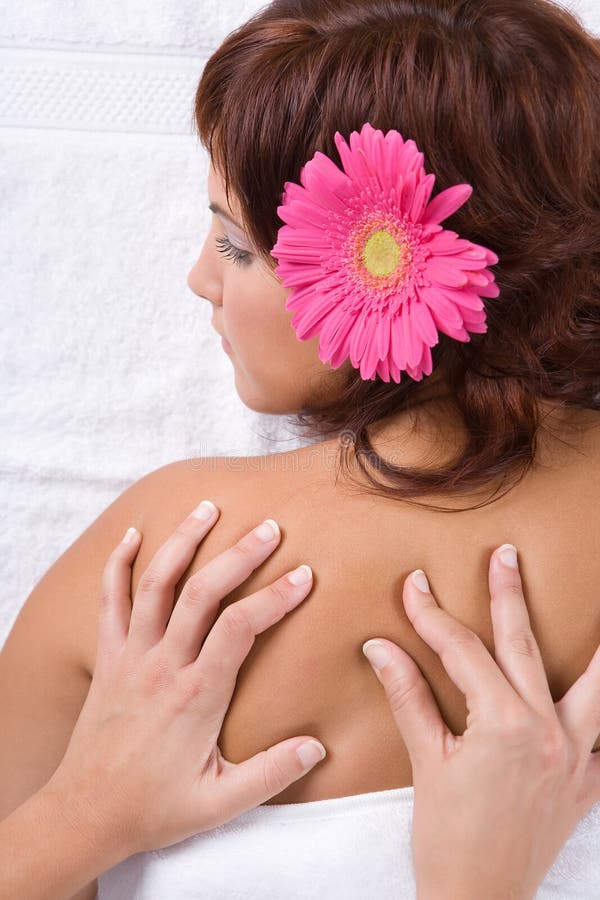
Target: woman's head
274, 371
501, 94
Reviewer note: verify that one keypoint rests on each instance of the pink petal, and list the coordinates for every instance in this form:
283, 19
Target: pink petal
293, 191
478, 278
412, 342
300, 212
398, 349
394, 370
411, 159
318, 180
458, 332
445, 272
463, 298
304, 237
426, 363
446, 203
358, 341
352, 160
383, 370
383, 337
478, 329
490, 290
446, 241
424, 323
306, 318
442, 309
335, 323
341, 351
408, 192
369, 360
390, 168
421, 198
467, 263
415, 372
296, 275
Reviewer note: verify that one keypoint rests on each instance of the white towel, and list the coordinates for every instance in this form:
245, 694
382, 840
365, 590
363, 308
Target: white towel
109, 366
348, 848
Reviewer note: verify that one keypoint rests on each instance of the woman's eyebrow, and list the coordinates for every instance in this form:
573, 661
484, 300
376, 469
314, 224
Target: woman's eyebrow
215, 208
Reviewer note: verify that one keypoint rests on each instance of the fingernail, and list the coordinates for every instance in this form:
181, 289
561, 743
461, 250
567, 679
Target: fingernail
301, 575
205, 511
268, 531
130, 535
310, 753
378, 654
420, 581
508, 555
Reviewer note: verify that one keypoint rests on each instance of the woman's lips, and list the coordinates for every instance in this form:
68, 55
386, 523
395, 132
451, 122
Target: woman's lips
224, 342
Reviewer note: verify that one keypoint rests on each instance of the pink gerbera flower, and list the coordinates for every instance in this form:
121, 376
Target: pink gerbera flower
369, 267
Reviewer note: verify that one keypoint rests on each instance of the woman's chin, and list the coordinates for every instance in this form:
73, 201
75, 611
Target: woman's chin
265, 400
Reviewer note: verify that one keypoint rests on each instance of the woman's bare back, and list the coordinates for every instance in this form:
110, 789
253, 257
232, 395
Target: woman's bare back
307, 674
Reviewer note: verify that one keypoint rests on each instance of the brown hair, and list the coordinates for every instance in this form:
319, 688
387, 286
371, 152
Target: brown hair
501, 94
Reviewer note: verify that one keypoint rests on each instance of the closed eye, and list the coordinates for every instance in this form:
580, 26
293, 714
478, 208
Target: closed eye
224, 246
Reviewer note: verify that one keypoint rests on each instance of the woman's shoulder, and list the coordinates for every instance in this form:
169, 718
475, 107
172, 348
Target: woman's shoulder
155, 504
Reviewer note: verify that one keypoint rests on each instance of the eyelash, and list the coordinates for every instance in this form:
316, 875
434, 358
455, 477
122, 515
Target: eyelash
224, 246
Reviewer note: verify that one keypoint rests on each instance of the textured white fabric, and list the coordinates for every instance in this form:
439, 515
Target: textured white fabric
108, 364
349, 848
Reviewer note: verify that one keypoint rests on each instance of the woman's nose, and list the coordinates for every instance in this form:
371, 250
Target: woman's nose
204, 284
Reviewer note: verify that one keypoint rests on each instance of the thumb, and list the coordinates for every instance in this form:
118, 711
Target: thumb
266, 774
413, 705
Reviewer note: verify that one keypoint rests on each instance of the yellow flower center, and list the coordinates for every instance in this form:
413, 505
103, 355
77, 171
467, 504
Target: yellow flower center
381, 253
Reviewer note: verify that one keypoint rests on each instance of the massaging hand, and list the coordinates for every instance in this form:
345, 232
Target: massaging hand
493, 806
144, 748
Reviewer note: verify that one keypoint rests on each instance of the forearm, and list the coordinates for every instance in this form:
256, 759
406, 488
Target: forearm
470, 893
469, 888
51, 846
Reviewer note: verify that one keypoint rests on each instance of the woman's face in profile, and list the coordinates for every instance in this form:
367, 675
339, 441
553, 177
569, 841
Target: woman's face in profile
274, 371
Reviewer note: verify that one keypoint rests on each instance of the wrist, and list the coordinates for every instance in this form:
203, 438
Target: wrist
52, 848
466, 891
99, 845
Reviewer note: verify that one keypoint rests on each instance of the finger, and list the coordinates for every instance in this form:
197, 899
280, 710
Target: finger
515, 647
154, 597
114, 610
198, 603
232, 637
579, 710
413, 705
263, 776
463, 654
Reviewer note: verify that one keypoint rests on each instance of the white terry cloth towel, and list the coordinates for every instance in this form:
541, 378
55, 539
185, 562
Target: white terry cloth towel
109, 367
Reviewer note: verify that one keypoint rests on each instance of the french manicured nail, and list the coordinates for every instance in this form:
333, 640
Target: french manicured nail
378, 654
268, 531
205, 511
310, 753
508, 555
130, 535
420, 581
301, 575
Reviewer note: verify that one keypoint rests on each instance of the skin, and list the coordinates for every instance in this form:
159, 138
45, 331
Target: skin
274, 371
357, 603
163, 682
